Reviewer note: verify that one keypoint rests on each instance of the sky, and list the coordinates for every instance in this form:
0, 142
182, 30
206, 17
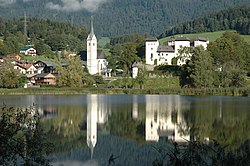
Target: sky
66, 5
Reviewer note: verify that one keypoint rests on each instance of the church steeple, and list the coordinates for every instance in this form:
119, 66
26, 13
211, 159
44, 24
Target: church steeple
92, 26
92, 51
92, 34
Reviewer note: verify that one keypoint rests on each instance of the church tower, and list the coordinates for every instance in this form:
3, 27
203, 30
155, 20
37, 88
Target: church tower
92, 51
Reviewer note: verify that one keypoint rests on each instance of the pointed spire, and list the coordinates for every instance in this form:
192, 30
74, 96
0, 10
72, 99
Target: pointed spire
92, 26
91, 152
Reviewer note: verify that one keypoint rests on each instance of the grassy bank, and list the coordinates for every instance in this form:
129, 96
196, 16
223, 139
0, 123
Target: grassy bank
163, 91
150, 83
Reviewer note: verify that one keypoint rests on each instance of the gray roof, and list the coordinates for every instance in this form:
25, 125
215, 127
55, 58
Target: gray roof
165, 49
135, 64
47, 63
100, 55
42, 75
151, 39
182, 39
201, 39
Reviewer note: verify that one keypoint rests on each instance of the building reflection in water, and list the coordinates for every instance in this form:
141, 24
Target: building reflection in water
164, 118
97, 116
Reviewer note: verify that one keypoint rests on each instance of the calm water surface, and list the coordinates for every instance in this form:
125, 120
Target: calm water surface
129, 126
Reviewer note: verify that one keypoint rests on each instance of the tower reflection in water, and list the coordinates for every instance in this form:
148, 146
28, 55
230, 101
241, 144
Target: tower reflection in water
164, 117
97, 115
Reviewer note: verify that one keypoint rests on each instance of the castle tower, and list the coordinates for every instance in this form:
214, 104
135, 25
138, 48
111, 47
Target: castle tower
92, 51
151, 51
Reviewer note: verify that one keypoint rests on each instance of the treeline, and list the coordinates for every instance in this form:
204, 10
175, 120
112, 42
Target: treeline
46, 35
232, 19
134, 38
225, 63
118, 17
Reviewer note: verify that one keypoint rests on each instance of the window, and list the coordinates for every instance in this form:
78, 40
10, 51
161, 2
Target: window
151, 48
151, 55
93, 44
155, 116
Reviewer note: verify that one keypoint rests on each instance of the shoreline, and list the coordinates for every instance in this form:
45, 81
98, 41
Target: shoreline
162, 91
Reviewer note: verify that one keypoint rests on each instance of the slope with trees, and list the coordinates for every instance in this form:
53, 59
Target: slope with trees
224, 64
231, 19
118, 17
46, 35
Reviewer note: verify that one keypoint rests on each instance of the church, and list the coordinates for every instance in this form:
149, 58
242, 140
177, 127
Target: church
95, 60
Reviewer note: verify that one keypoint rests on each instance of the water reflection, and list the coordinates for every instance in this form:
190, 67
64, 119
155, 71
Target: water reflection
164, 118
97, 126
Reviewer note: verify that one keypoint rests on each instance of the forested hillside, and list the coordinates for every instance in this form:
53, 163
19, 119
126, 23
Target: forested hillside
232, 19
46, 35
118, 17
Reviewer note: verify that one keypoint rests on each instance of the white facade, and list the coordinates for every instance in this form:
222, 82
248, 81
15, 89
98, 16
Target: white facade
92, 52
165, 58
151, 51
159, 55
29, 51
201, 43
25, 69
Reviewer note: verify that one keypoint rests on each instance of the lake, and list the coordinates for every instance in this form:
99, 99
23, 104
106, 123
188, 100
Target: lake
88, 129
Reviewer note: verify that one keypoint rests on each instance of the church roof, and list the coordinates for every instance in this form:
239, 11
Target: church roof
100, 55
182, 39
201, 39
165, 49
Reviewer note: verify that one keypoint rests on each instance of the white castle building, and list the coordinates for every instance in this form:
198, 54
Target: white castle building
157, 54
95, 59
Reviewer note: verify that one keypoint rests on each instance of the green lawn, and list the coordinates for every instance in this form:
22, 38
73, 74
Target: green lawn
212, 36
150, 83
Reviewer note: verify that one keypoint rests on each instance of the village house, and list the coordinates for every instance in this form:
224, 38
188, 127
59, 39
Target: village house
14, 57
25, 68
28, 50
157, 54
45, 67
45, 79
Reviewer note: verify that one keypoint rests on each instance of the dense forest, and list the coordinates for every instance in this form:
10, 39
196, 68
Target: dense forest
119, 17
234, 18
46, 35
